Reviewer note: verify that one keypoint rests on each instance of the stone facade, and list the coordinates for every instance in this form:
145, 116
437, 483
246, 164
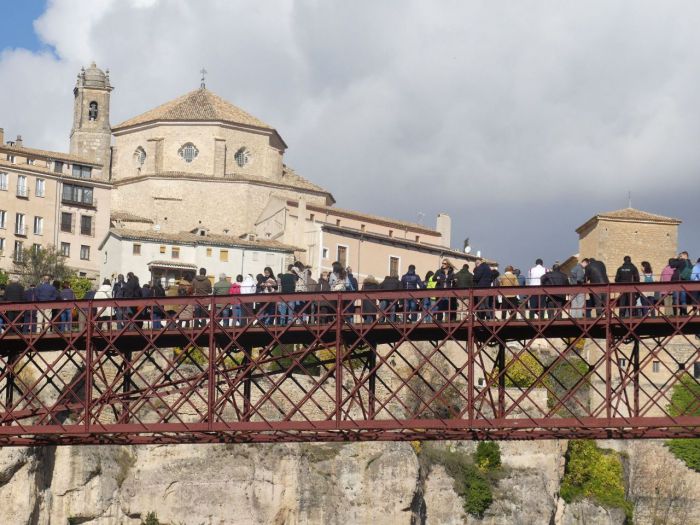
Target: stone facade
42, 203
91, 136
643, 236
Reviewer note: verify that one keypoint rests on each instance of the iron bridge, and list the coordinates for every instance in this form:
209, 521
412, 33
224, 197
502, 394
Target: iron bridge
356, 366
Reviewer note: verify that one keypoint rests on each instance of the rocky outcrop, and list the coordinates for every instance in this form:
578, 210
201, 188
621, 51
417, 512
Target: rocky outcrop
365, 483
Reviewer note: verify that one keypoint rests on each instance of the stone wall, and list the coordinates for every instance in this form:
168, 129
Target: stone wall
609, 241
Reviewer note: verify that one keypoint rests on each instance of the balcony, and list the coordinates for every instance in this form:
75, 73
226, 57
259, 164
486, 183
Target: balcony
80, 204
21, 231
23, 192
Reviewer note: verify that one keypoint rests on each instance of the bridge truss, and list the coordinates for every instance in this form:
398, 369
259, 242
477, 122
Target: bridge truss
353, 366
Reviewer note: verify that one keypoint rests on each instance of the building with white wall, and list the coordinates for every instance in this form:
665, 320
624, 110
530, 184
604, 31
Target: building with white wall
170, 256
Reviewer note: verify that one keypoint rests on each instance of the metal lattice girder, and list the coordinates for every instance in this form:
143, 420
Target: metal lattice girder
380, 365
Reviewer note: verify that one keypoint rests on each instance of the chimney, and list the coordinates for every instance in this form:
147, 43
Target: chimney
18, 142
2, 136
444, 226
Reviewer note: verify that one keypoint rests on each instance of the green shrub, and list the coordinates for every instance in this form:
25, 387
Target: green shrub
151, 519
80, 286
522, 372
687, 450
470, 483
595, 474
563, 377
685, 401
4, 278
488, 456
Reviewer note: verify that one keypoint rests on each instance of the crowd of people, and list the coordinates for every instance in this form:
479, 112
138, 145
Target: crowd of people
298, 279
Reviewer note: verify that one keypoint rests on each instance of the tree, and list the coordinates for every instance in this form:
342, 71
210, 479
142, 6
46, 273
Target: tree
80, 286
4, 278
43, 261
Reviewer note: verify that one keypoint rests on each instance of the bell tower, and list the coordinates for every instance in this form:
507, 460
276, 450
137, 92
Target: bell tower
91, 135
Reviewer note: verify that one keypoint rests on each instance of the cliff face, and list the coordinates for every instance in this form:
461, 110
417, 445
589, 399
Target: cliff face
364, 483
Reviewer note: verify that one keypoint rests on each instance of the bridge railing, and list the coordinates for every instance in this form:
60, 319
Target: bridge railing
507, 363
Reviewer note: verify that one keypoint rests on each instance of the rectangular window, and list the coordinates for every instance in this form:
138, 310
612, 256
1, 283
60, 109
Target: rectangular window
3, 181
223, 255
11, 158
22, 190
65, 249
36, 248
3, 219
696, 370
58, 166
73, 194
66, 222
40, 188
656, 367
175, 252
136, 250
82, 172
2, 244
622, 362
20, 226
30, 161
162, 249
394, 266
208, 252
38, 226
324, 253
84, 253
86, 225
18, 255
342, 255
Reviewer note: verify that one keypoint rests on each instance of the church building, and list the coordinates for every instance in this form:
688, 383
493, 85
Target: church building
194, 166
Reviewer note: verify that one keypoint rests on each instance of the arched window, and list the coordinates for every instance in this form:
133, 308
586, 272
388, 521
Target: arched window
188, 152
139, 157
242, 157
92, 112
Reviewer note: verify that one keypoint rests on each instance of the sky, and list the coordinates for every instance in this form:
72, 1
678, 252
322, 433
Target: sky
521, 120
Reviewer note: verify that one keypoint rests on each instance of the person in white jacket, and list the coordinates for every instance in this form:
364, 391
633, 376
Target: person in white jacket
104, 313
247, 287
534, 277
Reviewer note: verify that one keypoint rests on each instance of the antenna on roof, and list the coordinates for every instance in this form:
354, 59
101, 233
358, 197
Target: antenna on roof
204, 77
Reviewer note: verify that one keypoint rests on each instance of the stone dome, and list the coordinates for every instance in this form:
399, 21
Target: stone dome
93, 76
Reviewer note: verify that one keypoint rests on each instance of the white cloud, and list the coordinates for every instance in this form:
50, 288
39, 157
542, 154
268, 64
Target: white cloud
500, 114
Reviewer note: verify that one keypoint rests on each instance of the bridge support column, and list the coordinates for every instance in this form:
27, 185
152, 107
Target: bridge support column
246, 383
10, 381
371, 363
126, 385
501, 363
635, 377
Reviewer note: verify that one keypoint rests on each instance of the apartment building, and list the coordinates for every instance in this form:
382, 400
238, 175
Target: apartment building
51, 198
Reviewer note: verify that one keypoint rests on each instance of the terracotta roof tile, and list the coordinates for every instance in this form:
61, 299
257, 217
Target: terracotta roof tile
632, 214
54, 155
116, 215
198, 105
207, 240
333, 210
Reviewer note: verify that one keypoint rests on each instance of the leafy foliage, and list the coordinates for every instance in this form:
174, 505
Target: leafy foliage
596, 474
4, 278
521, 372
44, 261
562, 378
469, 482
488, 456
80, 286
685, 401
151, 519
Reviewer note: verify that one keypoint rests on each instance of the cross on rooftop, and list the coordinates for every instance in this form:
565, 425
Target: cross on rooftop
204, 72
